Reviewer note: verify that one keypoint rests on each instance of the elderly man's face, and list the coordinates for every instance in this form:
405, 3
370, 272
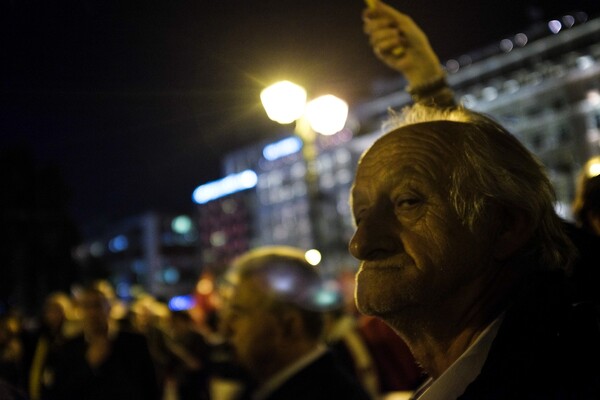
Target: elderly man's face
415, 251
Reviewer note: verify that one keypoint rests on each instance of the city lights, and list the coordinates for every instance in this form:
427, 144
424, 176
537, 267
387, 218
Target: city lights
222, 187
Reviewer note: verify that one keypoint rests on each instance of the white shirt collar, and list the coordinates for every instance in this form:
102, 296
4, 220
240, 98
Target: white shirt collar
286, 373
453, 382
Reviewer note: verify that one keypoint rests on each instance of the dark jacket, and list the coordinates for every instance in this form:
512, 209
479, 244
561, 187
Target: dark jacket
127, 374
323, 379
548, 347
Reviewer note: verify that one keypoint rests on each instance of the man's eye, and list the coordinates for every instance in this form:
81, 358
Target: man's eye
407, 202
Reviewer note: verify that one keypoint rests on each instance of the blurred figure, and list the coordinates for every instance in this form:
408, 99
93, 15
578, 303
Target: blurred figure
190, 354
9, 392
151, 318
274, 320
43, 344
103, 362
586, 206
346, 343
11, 350
586, 232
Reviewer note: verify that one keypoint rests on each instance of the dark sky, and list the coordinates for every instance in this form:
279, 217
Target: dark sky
136, 101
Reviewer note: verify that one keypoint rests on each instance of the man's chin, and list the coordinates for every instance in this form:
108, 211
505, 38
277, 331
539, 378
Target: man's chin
370, 307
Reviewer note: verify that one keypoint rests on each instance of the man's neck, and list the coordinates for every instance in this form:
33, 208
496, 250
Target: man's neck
438, 335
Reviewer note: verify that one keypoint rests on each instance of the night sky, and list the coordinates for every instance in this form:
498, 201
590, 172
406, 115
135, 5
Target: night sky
137, 101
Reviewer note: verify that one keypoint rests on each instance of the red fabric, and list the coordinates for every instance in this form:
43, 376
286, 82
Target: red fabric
395, 363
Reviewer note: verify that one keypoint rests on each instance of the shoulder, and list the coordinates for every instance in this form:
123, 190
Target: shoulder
323, 379
542, 337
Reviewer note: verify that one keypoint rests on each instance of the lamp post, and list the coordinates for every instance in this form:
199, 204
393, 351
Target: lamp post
286, 102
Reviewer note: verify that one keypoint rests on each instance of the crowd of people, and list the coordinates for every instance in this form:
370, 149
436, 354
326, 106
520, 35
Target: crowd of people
89, 344
470, 285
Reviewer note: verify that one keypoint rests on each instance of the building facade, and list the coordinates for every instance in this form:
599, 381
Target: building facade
153, 253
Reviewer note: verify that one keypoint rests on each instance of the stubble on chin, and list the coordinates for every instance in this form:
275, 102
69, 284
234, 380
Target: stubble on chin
383, 292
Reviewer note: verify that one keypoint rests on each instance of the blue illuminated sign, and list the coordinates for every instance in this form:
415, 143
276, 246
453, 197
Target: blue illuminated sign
282, 148
230, 184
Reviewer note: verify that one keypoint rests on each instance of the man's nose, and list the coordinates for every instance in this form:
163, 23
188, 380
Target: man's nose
376, 235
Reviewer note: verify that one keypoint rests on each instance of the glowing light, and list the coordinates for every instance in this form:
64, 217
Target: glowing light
327, 114
180, 303
313, 257
282, 283
218, 239
489, 93
205, 286
123, 290
585, 62
593, 168
171, 275
511, 86
181, 224
521, 39
465, 60
452, 66
118, 243
284, 101
506, 45
282, 148
568, 20
325, 298
555, 26
230, 184
581, 17
593, 97
97, 249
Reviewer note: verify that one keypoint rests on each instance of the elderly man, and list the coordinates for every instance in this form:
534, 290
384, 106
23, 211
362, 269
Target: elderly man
274, 321
463, 255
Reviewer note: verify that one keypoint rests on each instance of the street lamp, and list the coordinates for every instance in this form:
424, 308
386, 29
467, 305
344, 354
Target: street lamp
285, 102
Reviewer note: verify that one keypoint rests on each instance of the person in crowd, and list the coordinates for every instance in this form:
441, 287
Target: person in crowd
189, 366
10, 392
461, 250
586, 206
11, 350
273, 318
345, 341
43, 343
469, 274
399, 42
103, 362
585, 233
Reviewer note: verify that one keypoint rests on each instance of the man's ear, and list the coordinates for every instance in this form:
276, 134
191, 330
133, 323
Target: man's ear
514, 231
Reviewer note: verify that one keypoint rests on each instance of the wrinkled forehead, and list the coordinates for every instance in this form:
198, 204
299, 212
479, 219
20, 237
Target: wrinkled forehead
432, 143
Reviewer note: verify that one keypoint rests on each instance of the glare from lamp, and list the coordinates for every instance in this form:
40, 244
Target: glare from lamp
284, 101
327, 114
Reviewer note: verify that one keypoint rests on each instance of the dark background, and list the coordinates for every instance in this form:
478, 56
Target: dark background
129, 105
